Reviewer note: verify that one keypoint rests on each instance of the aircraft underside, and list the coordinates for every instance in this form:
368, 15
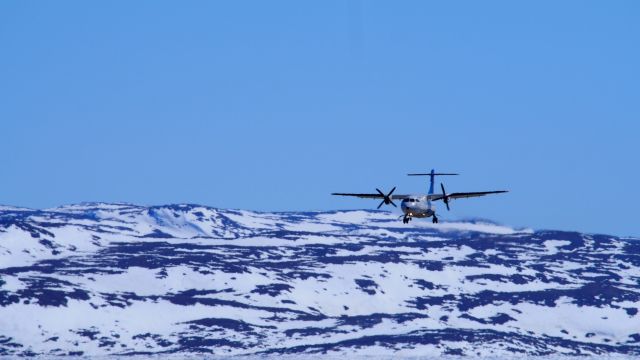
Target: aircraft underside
410, 213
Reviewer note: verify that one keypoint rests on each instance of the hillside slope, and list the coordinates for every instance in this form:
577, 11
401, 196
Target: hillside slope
99, 279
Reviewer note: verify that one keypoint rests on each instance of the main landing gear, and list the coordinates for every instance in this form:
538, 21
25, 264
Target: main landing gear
408, 218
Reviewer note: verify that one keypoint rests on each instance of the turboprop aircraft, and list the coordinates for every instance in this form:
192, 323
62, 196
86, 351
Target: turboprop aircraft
419, 206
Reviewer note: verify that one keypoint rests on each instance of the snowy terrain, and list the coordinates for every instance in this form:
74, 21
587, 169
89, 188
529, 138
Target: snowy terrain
103, 279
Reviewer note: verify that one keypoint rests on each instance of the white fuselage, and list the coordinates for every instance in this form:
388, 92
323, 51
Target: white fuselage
417, 206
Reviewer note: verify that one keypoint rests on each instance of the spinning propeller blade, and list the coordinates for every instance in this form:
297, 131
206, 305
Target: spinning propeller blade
445, 197
386, 199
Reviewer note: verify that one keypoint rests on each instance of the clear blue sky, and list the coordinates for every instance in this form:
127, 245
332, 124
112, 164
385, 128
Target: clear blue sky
272, 105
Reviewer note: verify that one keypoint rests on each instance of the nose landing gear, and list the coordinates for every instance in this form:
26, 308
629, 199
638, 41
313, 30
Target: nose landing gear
435, 219
406, 219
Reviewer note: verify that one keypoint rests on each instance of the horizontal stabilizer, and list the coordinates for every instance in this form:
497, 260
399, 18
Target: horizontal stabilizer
429, 174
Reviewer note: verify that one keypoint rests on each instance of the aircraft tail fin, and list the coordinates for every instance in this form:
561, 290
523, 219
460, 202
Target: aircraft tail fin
432, 176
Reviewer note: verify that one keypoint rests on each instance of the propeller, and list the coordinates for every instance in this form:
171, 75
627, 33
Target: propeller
386, 199
445, 197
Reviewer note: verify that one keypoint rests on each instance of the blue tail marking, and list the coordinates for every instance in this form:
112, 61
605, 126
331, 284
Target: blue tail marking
431, 177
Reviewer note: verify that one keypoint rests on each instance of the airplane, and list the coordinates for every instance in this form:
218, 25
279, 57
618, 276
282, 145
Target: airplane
419, 206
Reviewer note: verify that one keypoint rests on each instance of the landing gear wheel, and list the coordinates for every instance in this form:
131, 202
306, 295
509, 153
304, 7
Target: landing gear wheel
435, 219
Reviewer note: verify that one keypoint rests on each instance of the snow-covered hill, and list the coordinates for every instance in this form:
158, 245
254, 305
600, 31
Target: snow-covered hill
98, 279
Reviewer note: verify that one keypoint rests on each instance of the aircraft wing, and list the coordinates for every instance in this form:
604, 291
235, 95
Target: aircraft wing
372, 196
460, 195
